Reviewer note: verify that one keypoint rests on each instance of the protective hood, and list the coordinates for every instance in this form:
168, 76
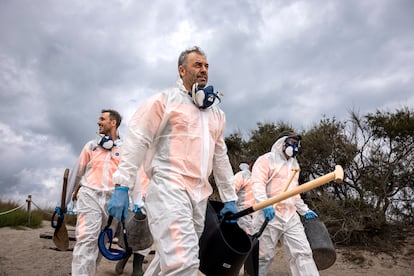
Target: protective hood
277, 149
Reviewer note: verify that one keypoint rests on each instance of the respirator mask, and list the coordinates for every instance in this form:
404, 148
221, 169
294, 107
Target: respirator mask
291, 148
106, 142
204, 97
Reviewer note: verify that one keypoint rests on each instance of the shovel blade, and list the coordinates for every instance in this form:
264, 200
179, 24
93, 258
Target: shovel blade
61, 238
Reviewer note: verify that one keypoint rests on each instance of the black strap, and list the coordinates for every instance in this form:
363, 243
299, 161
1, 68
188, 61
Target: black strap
108, 225
110, 218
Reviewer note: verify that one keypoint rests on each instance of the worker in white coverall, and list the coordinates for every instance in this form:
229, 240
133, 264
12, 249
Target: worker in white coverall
245, 198
92, 186
270, 174
178, 135
137, 196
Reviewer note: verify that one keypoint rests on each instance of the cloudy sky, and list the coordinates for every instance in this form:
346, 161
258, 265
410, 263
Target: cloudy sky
61, 62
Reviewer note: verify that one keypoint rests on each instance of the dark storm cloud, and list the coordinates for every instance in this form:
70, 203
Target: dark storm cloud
294, 61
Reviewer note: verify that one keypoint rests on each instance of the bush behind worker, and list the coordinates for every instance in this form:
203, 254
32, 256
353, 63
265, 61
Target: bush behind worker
178, 135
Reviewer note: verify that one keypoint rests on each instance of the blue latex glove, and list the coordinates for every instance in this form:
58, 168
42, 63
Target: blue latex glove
137, 209
229, 207
310, 214
269, 212
61, 216
72, 208
119, 203
61, 213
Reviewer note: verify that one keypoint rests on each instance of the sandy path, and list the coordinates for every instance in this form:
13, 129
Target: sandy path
23, 252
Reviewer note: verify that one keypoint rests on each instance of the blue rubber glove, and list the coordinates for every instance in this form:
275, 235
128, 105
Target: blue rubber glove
72, 208
229, 207
61, 213
137, 209
119, 203
61, 216
310, 214
269, 212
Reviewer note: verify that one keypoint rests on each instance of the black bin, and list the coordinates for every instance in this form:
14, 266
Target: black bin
320, 242
224, 247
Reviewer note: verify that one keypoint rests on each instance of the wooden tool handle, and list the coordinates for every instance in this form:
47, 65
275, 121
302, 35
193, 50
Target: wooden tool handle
337, 175
65, 184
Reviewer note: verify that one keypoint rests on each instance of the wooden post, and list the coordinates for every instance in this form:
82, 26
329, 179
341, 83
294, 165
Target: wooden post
29, 211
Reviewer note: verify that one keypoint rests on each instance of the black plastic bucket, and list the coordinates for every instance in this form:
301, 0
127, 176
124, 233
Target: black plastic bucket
251, 265
224, 247
320, 242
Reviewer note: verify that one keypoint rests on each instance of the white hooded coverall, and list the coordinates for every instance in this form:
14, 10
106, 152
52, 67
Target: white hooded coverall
269, 176
179, 145
243, 186
93, 173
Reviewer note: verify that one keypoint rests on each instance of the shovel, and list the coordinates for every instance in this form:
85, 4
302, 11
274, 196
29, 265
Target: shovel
60, 236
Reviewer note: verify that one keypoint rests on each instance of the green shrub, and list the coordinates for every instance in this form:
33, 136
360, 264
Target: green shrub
18, 217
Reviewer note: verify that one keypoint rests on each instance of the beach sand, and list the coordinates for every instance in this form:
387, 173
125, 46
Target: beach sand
24, 252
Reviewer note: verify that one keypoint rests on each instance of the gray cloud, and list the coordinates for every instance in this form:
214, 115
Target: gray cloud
295, 61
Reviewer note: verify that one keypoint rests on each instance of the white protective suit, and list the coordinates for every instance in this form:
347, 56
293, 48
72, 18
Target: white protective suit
179, 145
93, 173
269, 176
243, 186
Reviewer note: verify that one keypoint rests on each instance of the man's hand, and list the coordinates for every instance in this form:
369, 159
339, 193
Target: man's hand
119, 203
61, 213
310, 214
229, 207
269, 212
137, 209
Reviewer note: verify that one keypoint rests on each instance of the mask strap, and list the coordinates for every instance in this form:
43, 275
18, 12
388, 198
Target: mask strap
193, 89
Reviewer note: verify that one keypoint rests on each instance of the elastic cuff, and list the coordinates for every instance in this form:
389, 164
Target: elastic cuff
122, 188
